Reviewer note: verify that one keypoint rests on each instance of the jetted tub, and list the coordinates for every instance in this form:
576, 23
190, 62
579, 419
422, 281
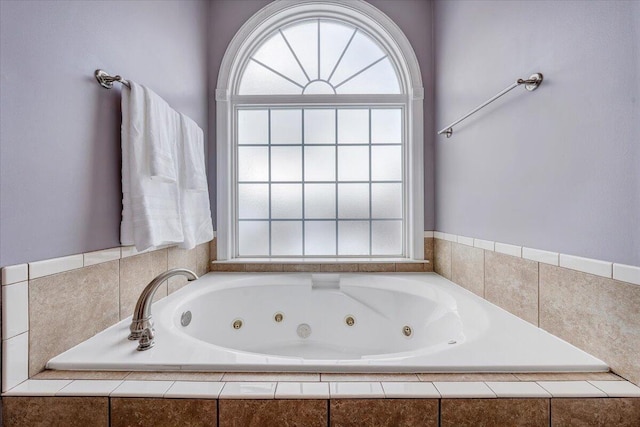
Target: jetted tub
414, 322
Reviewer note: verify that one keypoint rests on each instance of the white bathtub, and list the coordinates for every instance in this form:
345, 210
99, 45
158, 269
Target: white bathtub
449, 329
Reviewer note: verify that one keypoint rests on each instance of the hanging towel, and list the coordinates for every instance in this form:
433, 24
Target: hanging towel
161, 135
193, 150
197, 225
151, 203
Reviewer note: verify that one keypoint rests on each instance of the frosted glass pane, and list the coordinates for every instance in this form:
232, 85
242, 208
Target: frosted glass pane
253, 201
253, 238
319, 126
253, 164
303, 39
286, 126
362, 52
275, 54
257, 80
320, 238
379, 79
286, 201
286, 164
386, 238
319, 87
386, 126
386, 163
334, 37
286, 238
253, 127
353, 200
353, 238
353, 126
386, 200
353, 163
319, 163
319, 201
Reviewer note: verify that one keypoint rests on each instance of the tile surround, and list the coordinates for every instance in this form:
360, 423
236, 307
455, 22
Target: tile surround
345, 400
302, 390
194, 389
142, 389
383, 412
163, 412
135, 273
596, 314
258, 413
571, 389
66, 411
541, 256
617, 388
355, 390
494, 412
39, 387
15, 361
55, 265
467, 267
464, 390
517, 389
14, 274
88, 388
66, 321
626, 273
512, 283
618, 412
601, 317
442, 258
401, 390
248, 390
15, 309
507, 249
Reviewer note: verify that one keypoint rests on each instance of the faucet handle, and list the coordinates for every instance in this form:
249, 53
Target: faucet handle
147, 339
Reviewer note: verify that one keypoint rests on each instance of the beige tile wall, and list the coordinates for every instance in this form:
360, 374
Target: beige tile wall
599, 315
69, 307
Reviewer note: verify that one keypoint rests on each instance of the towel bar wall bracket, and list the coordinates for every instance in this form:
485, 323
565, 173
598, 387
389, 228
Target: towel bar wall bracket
106, 80
530, 84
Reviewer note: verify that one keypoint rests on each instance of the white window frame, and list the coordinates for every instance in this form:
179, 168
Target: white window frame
391, 38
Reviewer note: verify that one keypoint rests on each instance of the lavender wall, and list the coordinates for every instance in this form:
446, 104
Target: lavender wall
60, 132
412, 16
556, 169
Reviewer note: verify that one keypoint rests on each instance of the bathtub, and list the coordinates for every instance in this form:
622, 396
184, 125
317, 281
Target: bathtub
277, 322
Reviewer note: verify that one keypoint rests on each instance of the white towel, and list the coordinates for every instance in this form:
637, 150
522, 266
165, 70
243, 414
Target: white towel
194, 195
151, 207
161, 134
193, 149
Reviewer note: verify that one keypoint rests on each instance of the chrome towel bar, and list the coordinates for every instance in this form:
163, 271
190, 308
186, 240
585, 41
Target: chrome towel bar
106, 80
530, 84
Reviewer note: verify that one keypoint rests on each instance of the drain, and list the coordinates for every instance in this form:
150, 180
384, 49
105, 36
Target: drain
185, 319
350, 320
303, 330
452, 342
406, 330
237, 324
278, 317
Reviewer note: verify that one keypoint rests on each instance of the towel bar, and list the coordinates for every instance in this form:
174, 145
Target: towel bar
106, 80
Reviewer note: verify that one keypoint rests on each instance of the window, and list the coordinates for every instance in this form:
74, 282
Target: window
318, 131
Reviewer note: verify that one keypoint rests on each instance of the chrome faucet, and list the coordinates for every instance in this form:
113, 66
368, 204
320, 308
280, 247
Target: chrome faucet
141, 324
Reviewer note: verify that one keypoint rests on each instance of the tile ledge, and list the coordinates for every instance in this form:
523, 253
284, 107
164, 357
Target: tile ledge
321, 261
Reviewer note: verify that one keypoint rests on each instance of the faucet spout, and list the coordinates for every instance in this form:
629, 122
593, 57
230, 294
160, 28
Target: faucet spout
142, 314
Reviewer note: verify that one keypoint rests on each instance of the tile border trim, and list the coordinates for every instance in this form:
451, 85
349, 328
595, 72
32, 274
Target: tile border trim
616, 271
369, 389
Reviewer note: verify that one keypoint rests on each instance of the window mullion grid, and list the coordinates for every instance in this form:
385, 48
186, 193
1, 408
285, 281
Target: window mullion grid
303, 181
370, 191
335, 136
269, 145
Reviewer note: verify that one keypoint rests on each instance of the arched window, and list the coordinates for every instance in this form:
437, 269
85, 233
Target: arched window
319, 136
